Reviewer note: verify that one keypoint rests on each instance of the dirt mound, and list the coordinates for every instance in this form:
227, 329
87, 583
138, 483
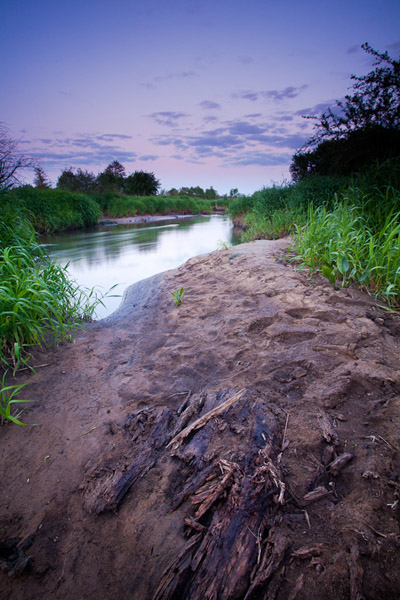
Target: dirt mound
242, 445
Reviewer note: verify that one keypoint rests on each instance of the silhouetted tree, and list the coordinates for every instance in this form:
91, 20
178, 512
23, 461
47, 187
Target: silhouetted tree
41, 180
112, 178
141, 183
210, 193
12, 162
82, 181
363, 127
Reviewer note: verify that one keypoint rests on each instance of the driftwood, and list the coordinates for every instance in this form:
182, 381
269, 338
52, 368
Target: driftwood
217, 563
339, 463
178, 439
188, 412
317, 494
108, 485
234, 551
327, 429
272, 559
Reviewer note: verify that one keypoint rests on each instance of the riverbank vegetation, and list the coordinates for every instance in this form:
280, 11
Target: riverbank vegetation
51, 211
343, 205
38, 302
127, 206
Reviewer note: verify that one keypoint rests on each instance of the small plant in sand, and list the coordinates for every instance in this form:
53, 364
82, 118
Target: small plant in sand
178, 296
223, 245
7, 399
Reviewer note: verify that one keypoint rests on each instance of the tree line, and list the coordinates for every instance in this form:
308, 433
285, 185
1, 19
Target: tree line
114, 180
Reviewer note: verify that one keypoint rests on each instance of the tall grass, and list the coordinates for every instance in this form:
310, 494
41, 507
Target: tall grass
357, 241
276, 211
38, 301
54, 210
126, 206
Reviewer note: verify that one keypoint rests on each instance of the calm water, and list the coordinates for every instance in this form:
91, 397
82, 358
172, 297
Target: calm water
125, 254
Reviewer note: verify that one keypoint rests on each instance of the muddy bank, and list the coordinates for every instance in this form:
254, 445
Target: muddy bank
242, 445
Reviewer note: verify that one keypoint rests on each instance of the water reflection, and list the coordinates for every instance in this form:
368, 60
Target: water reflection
125, 254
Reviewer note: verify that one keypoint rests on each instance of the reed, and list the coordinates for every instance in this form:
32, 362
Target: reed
127, 206
357, 242
39, 304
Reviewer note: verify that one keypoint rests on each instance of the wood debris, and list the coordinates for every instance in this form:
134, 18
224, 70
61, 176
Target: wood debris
328, 432
317, 494
178, 439
339, 463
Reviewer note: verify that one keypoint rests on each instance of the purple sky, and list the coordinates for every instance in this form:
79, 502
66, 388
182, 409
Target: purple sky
200, 92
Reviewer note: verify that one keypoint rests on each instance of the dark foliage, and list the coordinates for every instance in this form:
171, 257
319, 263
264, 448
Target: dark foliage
141, 183
363, 128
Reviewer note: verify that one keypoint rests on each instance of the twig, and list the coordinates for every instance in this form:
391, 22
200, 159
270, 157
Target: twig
375, 530
258, 538
307, 519
35, 367
285, 432
88, 431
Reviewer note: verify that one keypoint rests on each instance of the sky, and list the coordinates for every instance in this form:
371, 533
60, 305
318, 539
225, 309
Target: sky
198, 92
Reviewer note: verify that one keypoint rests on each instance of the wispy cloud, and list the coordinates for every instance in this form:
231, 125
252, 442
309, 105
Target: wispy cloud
147, 157
239, 142
168, 118
88, 150
208, 105
261, 159
287, 93
170, 76
316, 110
109, 137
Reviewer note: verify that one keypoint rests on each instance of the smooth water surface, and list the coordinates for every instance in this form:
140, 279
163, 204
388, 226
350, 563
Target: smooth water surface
125, 254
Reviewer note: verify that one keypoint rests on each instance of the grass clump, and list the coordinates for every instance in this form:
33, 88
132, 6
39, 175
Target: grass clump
127, 206
275, 212
55, 210
8, 399
38, 301
356, 241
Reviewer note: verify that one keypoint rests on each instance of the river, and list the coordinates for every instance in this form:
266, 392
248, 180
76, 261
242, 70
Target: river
121, 255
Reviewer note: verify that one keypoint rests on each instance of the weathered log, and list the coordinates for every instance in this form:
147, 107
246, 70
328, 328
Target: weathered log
237, 504
107, 486
273, 557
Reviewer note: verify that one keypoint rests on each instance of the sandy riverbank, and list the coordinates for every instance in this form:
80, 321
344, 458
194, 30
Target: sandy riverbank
146, 219
241, 445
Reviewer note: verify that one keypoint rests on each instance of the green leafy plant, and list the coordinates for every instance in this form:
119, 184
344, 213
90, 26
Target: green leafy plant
178, 295
8, 399
329, 274
223, 245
